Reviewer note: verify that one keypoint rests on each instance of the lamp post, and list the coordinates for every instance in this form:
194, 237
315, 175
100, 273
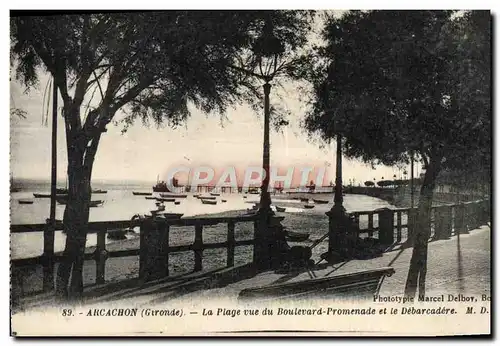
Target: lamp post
265, 196
338, 244
267, 51
338, 198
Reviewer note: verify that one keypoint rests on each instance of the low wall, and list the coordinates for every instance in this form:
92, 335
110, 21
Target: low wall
401, 196
387, 194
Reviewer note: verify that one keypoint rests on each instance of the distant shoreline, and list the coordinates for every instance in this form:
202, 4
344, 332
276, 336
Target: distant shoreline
40, 181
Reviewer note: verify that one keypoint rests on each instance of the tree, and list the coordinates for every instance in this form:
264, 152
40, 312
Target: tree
420, 84
150, 65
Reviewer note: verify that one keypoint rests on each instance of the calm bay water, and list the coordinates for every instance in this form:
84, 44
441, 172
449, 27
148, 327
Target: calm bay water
121, 204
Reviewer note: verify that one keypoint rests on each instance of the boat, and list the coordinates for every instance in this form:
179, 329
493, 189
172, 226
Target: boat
251, 212
172, 195
207, 197
170, 215
92, 204
308, 206
196, 195
253, 191
62, 199
320, 201
161, 186
177, 202
117, 234
47, 195
25, 201
99, 191
41, 195
296, 236
224, 200
280, 209
97, 203
160, 199
214, 194
304, 199
245, 196
135, 193
150, 197
208, 201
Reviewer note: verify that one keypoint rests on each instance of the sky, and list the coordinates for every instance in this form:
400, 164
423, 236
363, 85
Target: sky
143, 153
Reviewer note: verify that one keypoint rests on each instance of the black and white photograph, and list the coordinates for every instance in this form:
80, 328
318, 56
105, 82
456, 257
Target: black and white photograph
250, 172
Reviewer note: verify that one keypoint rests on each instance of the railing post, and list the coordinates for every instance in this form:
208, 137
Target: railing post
230, 244
411, 224
370, 224
16, 287
165, 246
153, 258
143, 253
459, 217
198, 247
386, 226
256, 247
100, 257
48, 256
468, 217
261, 253
477, 214
443, 222
399, 226
436, 214
485, 211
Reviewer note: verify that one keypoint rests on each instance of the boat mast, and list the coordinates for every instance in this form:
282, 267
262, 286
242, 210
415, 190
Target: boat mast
48, 283
53, 182
412, 203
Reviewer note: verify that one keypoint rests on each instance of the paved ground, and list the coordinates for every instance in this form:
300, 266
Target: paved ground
456, 265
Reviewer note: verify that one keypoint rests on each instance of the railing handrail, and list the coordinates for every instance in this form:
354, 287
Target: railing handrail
157, 232
101, 226
368, 212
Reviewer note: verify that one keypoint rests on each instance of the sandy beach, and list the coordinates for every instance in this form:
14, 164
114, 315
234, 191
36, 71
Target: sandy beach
311, 221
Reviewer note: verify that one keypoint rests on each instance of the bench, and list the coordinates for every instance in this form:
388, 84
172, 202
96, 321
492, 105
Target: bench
362, 284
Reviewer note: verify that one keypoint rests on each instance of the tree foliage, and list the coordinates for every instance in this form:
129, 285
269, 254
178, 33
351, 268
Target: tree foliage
395, 81
398, 83
151, 65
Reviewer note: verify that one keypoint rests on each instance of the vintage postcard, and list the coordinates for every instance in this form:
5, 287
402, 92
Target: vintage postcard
250, 173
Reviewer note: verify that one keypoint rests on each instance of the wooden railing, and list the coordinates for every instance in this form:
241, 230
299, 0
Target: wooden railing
396, 225
153, 232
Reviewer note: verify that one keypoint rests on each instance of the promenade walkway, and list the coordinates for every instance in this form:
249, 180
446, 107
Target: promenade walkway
456, 265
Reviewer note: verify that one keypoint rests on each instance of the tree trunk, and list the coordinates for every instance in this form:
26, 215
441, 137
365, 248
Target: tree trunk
418, 263
76, 215
75, 222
